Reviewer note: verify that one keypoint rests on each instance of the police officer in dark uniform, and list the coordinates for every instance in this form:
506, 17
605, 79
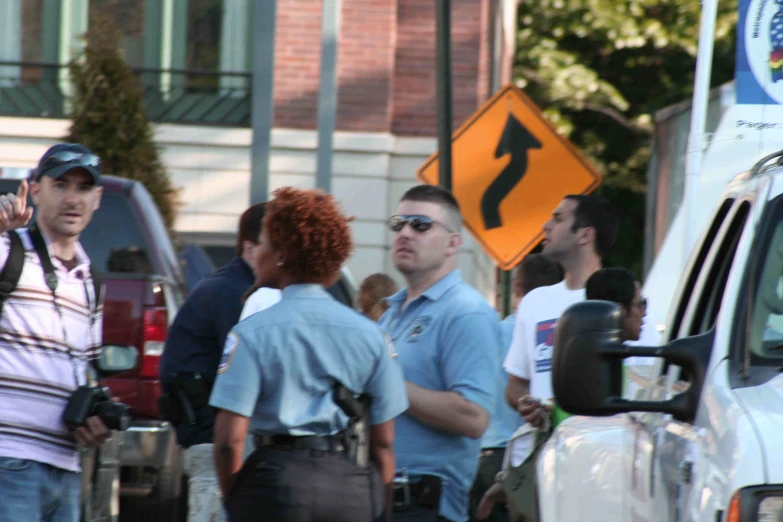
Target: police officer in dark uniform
280, 370
190, 362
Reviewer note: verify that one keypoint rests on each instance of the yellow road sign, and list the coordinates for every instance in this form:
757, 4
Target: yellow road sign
510, 169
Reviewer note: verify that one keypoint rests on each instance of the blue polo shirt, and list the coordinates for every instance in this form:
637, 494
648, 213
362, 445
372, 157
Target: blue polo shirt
447, 339
197, 335
506, 420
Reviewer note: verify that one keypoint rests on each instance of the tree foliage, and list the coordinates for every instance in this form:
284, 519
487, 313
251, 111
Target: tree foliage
108, 116
600, 69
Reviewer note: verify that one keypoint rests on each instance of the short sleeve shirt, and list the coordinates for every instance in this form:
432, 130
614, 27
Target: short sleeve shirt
280, 365
447, 339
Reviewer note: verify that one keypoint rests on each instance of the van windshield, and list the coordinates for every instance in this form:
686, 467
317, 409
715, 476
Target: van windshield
114, 240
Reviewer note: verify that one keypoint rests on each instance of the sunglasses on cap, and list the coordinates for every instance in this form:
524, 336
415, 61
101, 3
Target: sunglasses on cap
417, 223
67, 157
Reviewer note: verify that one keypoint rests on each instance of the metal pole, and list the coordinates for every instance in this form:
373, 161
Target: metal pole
443, 79
697, 142
327, 92
264, 12
506, 307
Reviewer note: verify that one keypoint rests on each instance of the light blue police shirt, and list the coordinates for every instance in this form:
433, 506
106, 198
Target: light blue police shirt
506, 420
447, 339
279, 366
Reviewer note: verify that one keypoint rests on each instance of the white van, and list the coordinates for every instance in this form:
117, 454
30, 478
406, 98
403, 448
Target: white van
703, 441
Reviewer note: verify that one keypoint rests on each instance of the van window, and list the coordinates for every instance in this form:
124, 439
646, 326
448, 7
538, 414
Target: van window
766, 327
705, 294
709, 301
113, 240
698, 265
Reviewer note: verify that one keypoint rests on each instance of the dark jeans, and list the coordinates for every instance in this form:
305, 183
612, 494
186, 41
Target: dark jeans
490, 463
278, 484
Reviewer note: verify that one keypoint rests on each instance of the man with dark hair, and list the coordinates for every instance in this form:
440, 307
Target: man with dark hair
447, 341
582, 229
193, 350
534, 271
598, 214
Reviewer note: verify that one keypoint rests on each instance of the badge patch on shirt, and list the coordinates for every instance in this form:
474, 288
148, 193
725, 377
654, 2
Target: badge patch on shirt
232, 341
418, 328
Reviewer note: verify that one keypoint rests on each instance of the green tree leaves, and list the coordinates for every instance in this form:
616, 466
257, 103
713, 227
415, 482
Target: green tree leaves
600, 69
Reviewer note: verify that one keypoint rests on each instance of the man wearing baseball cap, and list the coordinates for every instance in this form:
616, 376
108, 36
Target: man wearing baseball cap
47, 337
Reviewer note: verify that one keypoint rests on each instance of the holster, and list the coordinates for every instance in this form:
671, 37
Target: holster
357, 435
411, 492
187, 394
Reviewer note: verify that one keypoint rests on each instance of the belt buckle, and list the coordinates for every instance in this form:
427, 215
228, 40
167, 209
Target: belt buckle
402, 487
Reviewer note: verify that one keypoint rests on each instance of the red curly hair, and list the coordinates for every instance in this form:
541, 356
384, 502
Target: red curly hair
307, 227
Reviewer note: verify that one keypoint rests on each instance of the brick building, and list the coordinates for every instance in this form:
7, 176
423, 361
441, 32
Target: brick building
195, 57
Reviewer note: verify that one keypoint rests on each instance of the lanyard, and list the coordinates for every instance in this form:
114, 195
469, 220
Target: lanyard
50, 276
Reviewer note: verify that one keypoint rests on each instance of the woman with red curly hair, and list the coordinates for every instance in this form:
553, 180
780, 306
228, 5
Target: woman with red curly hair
280, 369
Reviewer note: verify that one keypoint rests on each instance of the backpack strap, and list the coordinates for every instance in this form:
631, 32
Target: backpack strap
97, 283
12, 270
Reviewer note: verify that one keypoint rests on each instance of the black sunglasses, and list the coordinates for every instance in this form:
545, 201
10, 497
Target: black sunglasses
68, 157
417, 223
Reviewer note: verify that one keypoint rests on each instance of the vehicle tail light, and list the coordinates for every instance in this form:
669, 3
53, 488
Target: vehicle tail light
734, 514
156, 326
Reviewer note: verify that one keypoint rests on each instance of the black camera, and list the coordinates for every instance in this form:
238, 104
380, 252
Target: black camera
88, 401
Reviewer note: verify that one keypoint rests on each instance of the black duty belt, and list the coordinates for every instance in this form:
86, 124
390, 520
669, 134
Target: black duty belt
331, 443
423, 491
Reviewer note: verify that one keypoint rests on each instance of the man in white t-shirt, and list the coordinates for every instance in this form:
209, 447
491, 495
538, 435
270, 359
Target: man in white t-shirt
582, 229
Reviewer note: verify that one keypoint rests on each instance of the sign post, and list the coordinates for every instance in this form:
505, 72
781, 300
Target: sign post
510, 169
443, 79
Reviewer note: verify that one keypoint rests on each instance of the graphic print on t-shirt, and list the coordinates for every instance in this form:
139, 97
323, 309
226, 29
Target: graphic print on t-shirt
545, 340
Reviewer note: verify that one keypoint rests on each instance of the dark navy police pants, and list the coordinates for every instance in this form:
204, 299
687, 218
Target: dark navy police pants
280, 484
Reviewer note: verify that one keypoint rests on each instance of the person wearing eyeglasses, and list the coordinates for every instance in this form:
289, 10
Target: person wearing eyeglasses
48, 335
448, 342
619, 286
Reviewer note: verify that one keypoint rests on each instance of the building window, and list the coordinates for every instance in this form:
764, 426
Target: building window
128, 17
32, 30
204, 31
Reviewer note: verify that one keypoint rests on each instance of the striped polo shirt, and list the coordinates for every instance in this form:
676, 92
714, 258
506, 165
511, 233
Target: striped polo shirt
42, 354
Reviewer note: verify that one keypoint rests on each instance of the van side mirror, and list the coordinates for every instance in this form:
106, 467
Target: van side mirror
587, 364
116, 359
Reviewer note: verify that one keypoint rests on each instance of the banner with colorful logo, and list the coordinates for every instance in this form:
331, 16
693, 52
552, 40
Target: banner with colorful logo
759, 69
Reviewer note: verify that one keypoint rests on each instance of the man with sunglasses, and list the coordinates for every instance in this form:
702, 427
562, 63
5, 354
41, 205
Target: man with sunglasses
447, 340
47, 337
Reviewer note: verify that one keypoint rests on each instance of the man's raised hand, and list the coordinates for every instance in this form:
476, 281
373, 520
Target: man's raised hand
14, 212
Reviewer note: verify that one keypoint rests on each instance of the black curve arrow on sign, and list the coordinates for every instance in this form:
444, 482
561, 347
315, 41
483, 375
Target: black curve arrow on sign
515, 140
